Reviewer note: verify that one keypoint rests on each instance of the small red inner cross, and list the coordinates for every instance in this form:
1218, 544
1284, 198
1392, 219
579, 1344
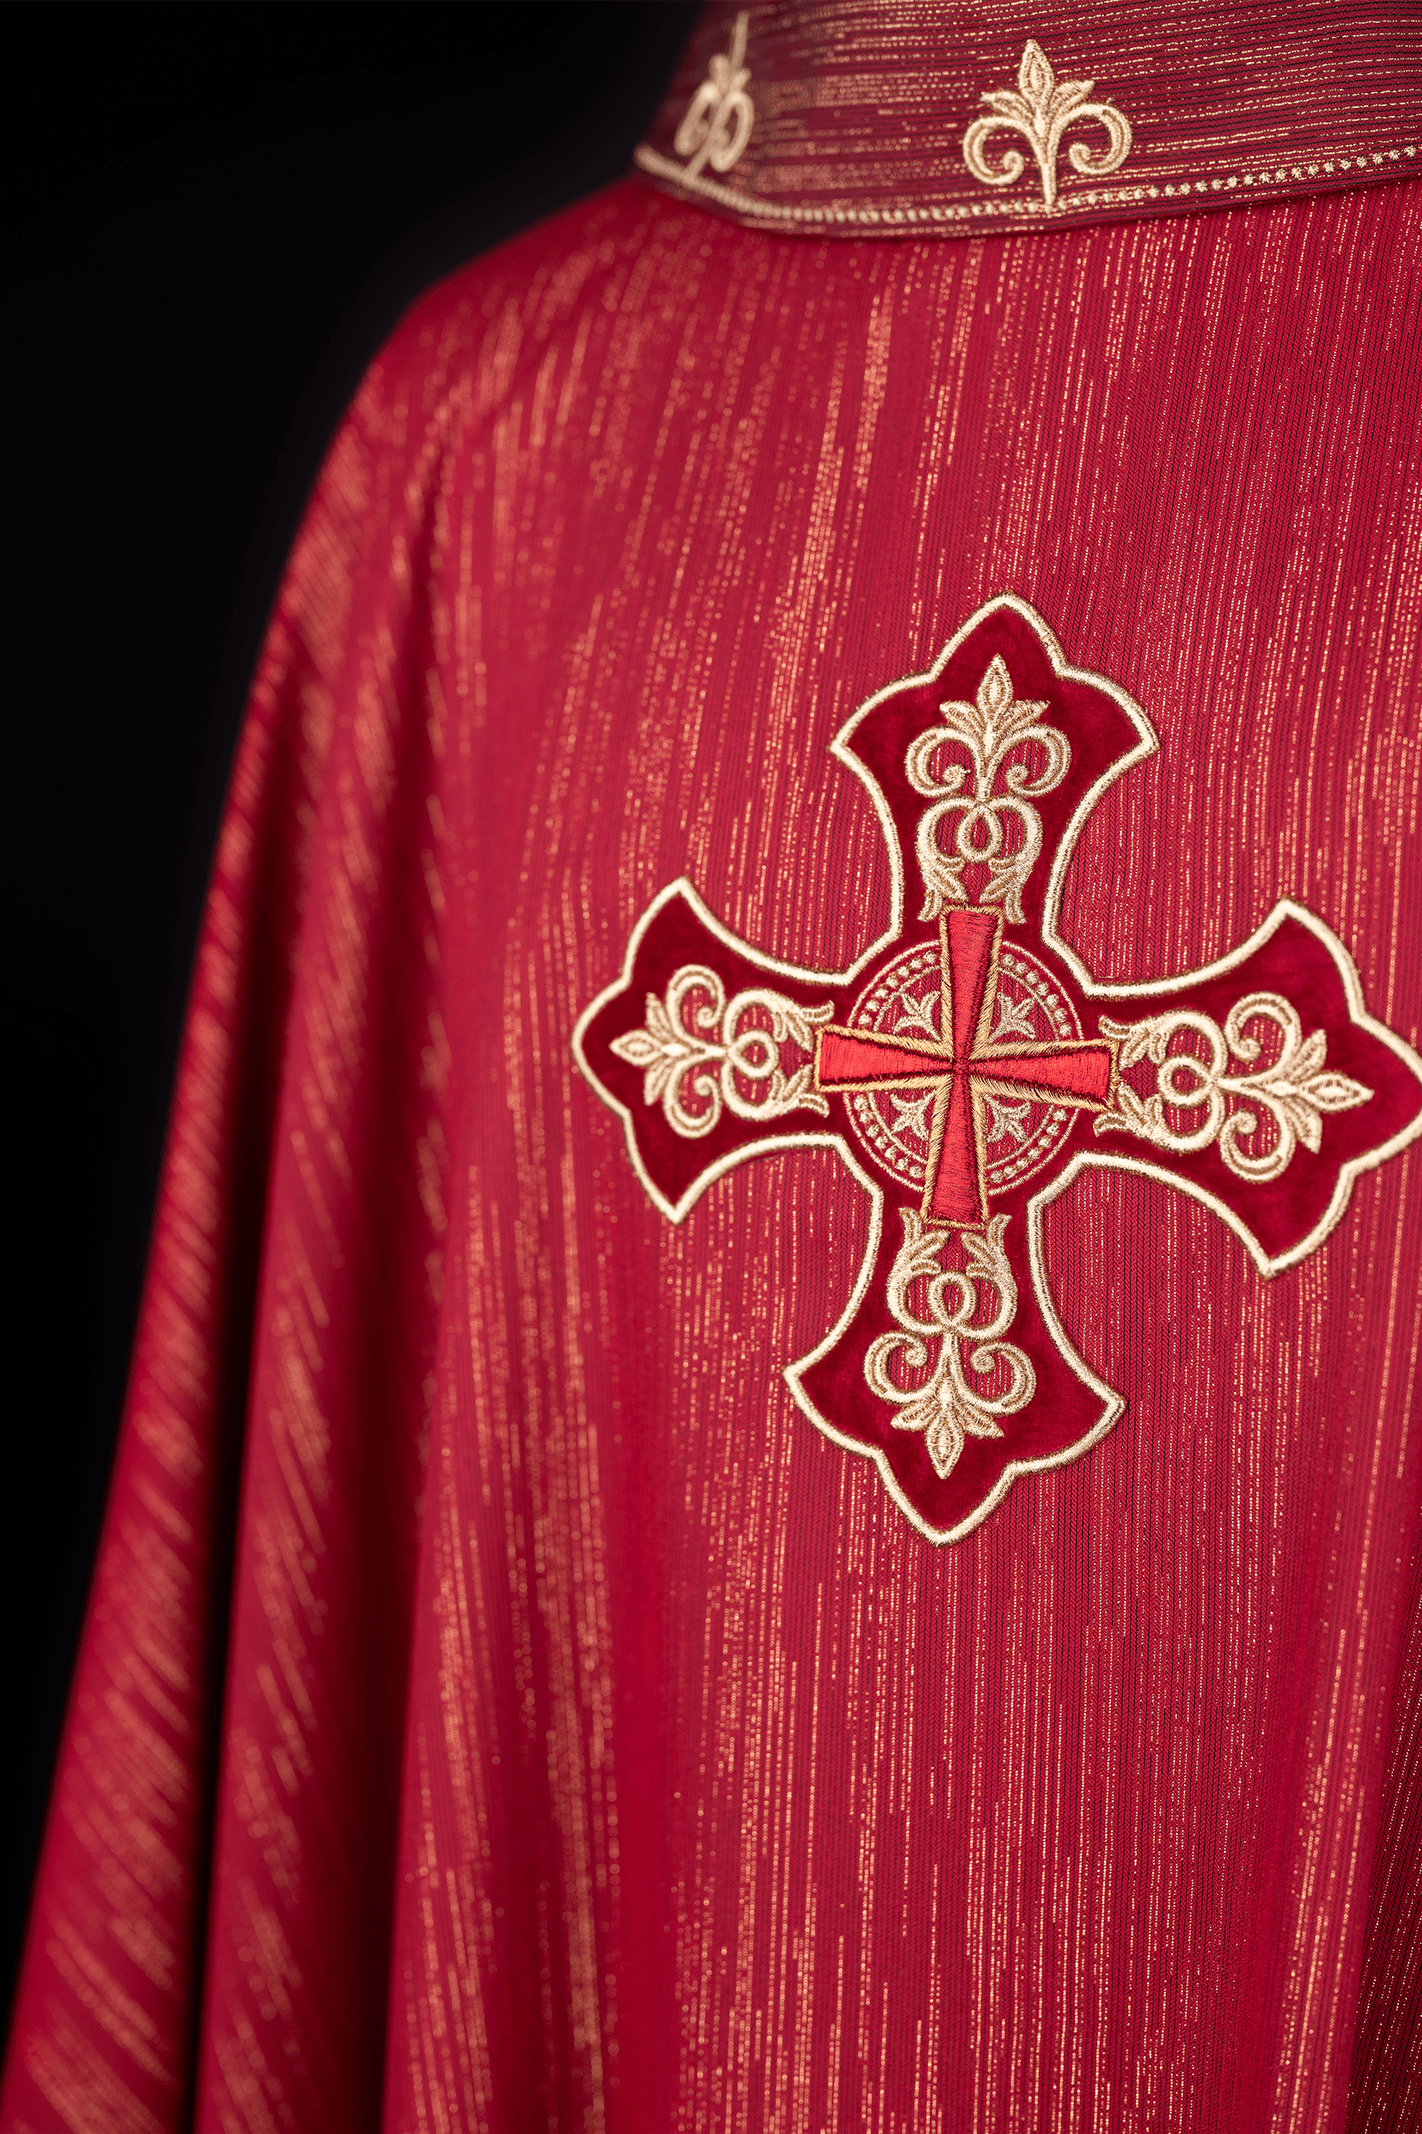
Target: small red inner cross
964, 1068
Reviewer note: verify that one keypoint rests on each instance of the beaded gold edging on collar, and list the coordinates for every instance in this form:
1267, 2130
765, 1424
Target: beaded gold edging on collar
1132, 197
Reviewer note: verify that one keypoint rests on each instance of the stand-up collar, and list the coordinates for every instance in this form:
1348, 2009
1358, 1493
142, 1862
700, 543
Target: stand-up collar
903, 117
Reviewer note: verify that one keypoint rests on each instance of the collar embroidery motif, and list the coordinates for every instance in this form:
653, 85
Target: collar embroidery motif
969, 1066
719, 118
856, 129
1041, 108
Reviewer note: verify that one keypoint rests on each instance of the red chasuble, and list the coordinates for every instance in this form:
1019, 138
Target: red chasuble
772, 1478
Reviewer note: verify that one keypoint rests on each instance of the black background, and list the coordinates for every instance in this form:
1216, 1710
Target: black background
211, 215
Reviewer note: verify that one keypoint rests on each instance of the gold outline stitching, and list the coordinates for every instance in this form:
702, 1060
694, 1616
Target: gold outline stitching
922, 219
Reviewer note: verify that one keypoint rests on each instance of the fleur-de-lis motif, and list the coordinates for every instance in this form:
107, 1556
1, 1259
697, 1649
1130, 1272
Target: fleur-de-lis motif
1295, 1091
948, 1405
717, 122
695, 1044
993, 730
1041, 108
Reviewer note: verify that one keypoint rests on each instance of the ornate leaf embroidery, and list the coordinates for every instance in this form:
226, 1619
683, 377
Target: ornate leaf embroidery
998, 732
1040, 109
716, 125
693, 1049
946, 1406
1294, 1091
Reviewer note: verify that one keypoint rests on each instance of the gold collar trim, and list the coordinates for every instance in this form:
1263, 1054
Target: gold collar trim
896, 118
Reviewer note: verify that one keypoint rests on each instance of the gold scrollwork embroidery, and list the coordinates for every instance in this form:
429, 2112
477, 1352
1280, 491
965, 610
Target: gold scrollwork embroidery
1295, 1089
1041, 108
991, 730
945, 1406
717, 122
695, 1048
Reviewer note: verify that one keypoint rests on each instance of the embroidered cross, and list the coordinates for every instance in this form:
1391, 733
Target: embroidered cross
1077, 1075
968, 1066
